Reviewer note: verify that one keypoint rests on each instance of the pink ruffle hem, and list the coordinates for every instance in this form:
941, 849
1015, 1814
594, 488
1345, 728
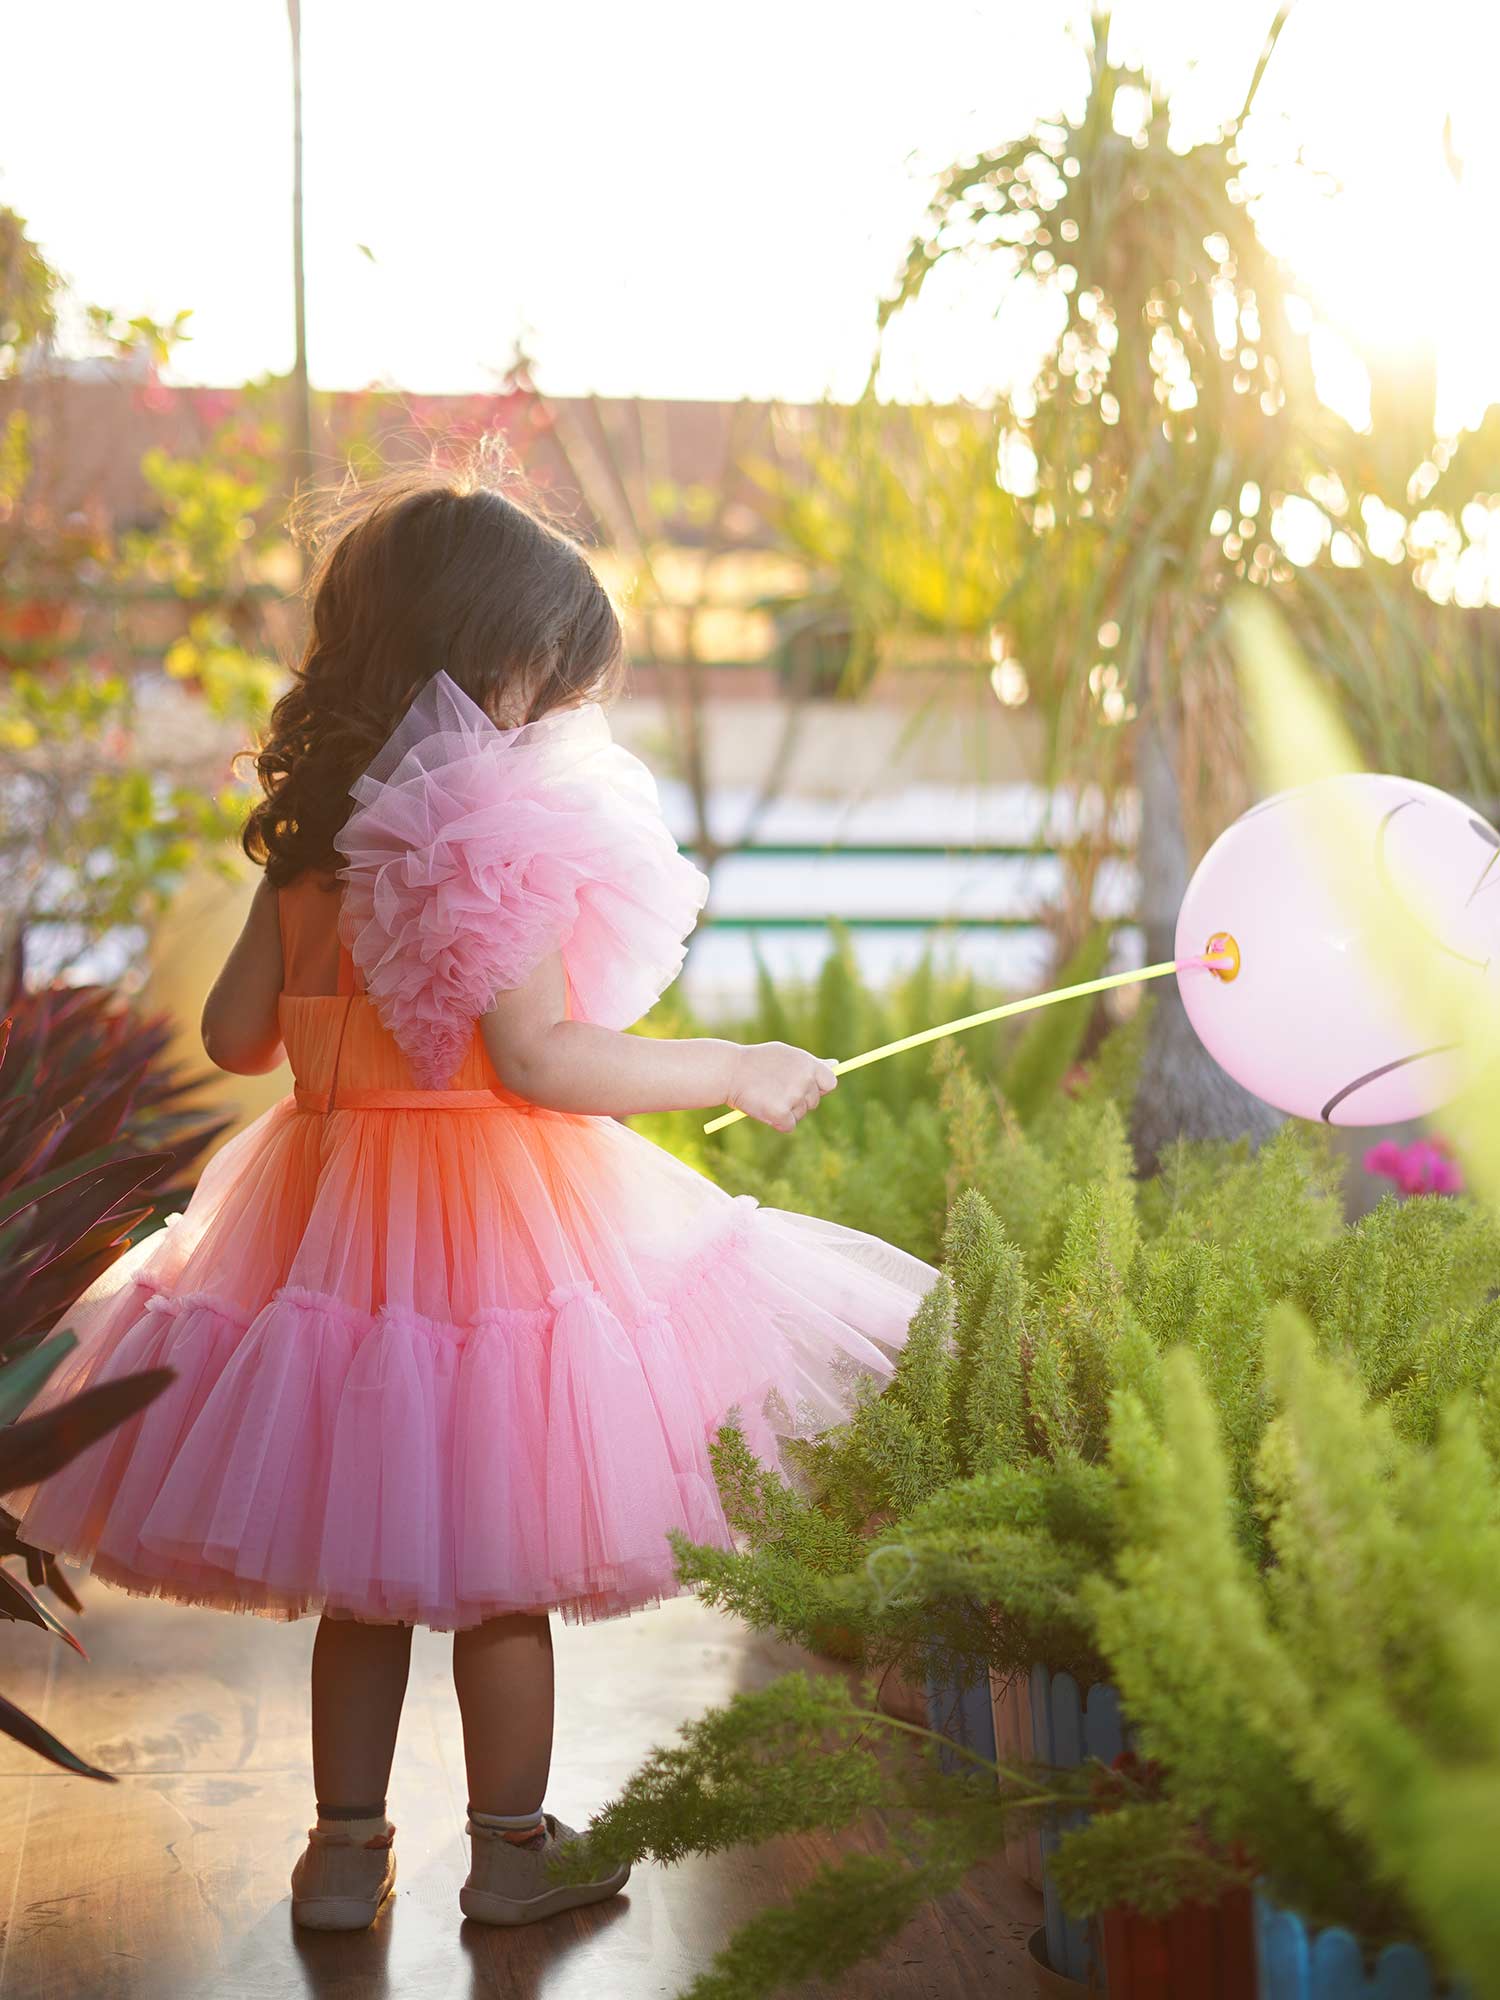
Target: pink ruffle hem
524, 1442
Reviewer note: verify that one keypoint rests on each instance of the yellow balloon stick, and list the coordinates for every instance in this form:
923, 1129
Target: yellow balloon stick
995, 1014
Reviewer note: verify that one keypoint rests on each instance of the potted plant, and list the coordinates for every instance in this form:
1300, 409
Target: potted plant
1172, 1907
950, 1537
1323, 1708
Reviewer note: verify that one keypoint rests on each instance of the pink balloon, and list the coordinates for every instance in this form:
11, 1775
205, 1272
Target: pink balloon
1307, 1023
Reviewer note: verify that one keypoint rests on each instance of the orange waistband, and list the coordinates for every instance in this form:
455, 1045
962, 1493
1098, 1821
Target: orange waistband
407, 1100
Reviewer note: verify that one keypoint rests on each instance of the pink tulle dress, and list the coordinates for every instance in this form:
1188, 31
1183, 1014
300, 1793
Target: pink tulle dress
440, 1353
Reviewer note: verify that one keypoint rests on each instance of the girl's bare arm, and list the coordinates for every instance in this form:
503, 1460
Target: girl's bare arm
239, 1025
573, 1066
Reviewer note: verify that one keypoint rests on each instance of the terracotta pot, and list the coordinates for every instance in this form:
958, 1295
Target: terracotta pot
1197, 1952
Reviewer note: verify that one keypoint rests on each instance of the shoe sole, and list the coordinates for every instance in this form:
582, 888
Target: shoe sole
485, 1907
339, 1913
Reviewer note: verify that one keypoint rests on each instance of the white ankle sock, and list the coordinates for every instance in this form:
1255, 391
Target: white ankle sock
357, 1830
519, 1828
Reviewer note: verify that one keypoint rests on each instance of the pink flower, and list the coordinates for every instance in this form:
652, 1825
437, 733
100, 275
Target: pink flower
1423, 1167
212, 405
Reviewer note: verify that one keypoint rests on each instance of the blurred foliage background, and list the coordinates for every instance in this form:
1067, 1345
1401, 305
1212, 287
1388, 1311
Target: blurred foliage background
1066, 549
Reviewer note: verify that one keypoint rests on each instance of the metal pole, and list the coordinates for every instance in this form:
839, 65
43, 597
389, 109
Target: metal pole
301, 459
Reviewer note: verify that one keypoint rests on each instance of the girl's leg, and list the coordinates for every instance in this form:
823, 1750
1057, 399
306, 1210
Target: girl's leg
502, 1671
358, 1683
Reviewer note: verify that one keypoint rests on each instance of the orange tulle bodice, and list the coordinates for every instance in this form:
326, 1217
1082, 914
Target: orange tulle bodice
339, 1051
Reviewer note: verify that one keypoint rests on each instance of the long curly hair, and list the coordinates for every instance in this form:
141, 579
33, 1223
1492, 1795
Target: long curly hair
423, 567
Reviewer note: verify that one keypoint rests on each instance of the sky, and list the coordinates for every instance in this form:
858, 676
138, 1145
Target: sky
696, 199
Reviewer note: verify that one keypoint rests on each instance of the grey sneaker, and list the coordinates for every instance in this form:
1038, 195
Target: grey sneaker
509, 1884
338, 1884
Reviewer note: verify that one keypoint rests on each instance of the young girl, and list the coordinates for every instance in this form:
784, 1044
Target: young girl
450, 1341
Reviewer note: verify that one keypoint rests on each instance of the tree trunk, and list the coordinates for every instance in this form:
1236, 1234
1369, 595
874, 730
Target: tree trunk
1183, 1092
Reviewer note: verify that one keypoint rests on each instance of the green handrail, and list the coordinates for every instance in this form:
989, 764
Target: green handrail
791, 850
1035, 923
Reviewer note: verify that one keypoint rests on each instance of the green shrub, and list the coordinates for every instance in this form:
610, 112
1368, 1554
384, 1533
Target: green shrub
1102, 1450
1330, 1713
1123, 1463
957, 1515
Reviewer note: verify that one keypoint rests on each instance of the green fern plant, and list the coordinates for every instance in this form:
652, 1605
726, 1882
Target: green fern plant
1136, 1465
1066, 1282
1331, 1713
952, 1523
1098, 1451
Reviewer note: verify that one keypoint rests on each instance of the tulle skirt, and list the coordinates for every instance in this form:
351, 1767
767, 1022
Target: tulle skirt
433, 1365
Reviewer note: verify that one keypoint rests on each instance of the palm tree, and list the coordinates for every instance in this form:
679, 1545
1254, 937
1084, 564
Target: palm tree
1173, 412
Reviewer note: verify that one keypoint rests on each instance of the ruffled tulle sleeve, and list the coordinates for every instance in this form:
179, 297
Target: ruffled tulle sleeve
473, 852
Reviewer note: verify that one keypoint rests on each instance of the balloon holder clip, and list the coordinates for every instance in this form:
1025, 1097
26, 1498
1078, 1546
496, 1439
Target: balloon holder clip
1222, 956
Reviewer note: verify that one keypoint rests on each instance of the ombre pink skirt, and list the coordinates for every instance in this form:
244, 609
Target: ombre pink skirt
441, 1355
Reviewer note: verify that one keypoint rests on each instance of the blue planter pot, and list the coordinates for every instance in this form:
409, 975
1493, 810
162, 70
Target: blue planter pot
965, 1717
1068, 1728
1295, 1961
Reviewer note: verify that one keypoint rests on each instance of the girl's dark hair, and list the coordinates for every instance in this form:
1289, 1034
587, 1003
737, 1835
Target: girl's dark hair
423, 567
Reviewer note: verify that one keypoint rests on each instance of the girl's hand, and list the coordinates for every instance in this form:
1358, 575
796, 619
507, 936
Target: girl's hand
778, 1084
